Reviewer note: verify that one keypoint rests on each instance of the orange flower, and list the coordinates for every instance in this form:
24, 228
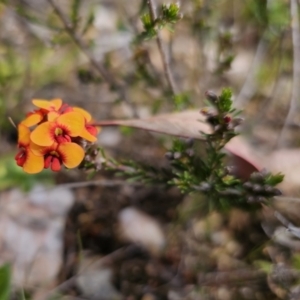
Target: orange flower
60, 130
51, 105
89, 132
40, 114
67, 154
25, 158
34, 117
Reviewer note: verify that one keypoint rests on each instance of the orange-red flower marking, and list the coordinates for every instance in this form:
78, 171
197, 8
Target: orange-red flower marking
54, 140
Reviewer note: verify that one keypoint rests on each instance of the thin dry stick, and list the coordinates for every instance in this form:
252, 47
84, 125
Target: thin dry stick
165, 59
107, 76
296, 72
101, 182
269, 100
230, 277
117, 254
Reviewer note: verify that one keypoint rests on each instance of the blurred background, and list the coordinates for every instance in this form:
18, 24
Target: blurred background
68, 238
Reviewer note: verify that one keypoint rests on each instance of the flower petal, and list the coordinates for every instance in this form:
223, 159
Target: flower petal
93, 130
37, 150
23, 135
41, 135
56, 164
71, 154
88, 136
52, 116
33, 164
86, 114
53, 104
32, 119
73, 121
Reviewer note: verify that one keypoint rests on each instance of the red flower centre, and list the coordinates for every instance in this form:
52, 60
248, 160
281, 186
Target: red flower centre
61, 136
53, 161
21, 157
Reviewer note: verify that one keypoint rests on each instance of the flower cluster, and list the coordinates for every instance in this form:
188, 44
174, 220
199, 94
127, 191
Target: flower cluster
51, 136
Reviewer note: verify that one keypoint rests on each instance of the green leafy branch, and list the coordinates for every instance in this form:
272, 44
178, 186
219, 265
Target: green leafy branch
202, 166
208, 172
168, 16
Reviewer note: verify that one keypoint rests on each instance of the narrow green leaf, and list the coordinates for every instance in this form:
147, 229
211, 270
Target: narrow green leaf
5, 275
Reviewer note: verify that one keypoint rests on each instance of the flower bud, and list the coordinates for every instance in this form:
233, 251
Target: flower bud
88, 158
257, 177
169, 155
248, 185
204, 187
268, 189
190, 152
257, 188
261, 199
227, 119
228, 170
251, 199
211, 96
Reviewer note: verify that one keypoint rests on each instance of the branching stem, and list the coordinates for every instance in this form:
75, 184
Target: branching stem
165, 59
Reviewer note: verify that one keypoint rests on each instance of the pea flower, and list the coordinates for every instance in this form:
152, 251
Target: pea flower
61, 130
38, 115
68, 154
25, 158
55, 140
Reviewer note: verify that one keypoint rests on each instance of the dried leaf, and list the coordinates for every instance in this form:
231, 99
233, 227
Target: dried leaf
190, 124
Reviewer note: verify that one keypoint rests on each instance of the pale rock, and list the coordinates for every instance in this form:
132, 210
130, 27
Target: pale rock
233, 248
224, 293
31, 234
220, 238
95, 280
226, 262
57, 200
141, 229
